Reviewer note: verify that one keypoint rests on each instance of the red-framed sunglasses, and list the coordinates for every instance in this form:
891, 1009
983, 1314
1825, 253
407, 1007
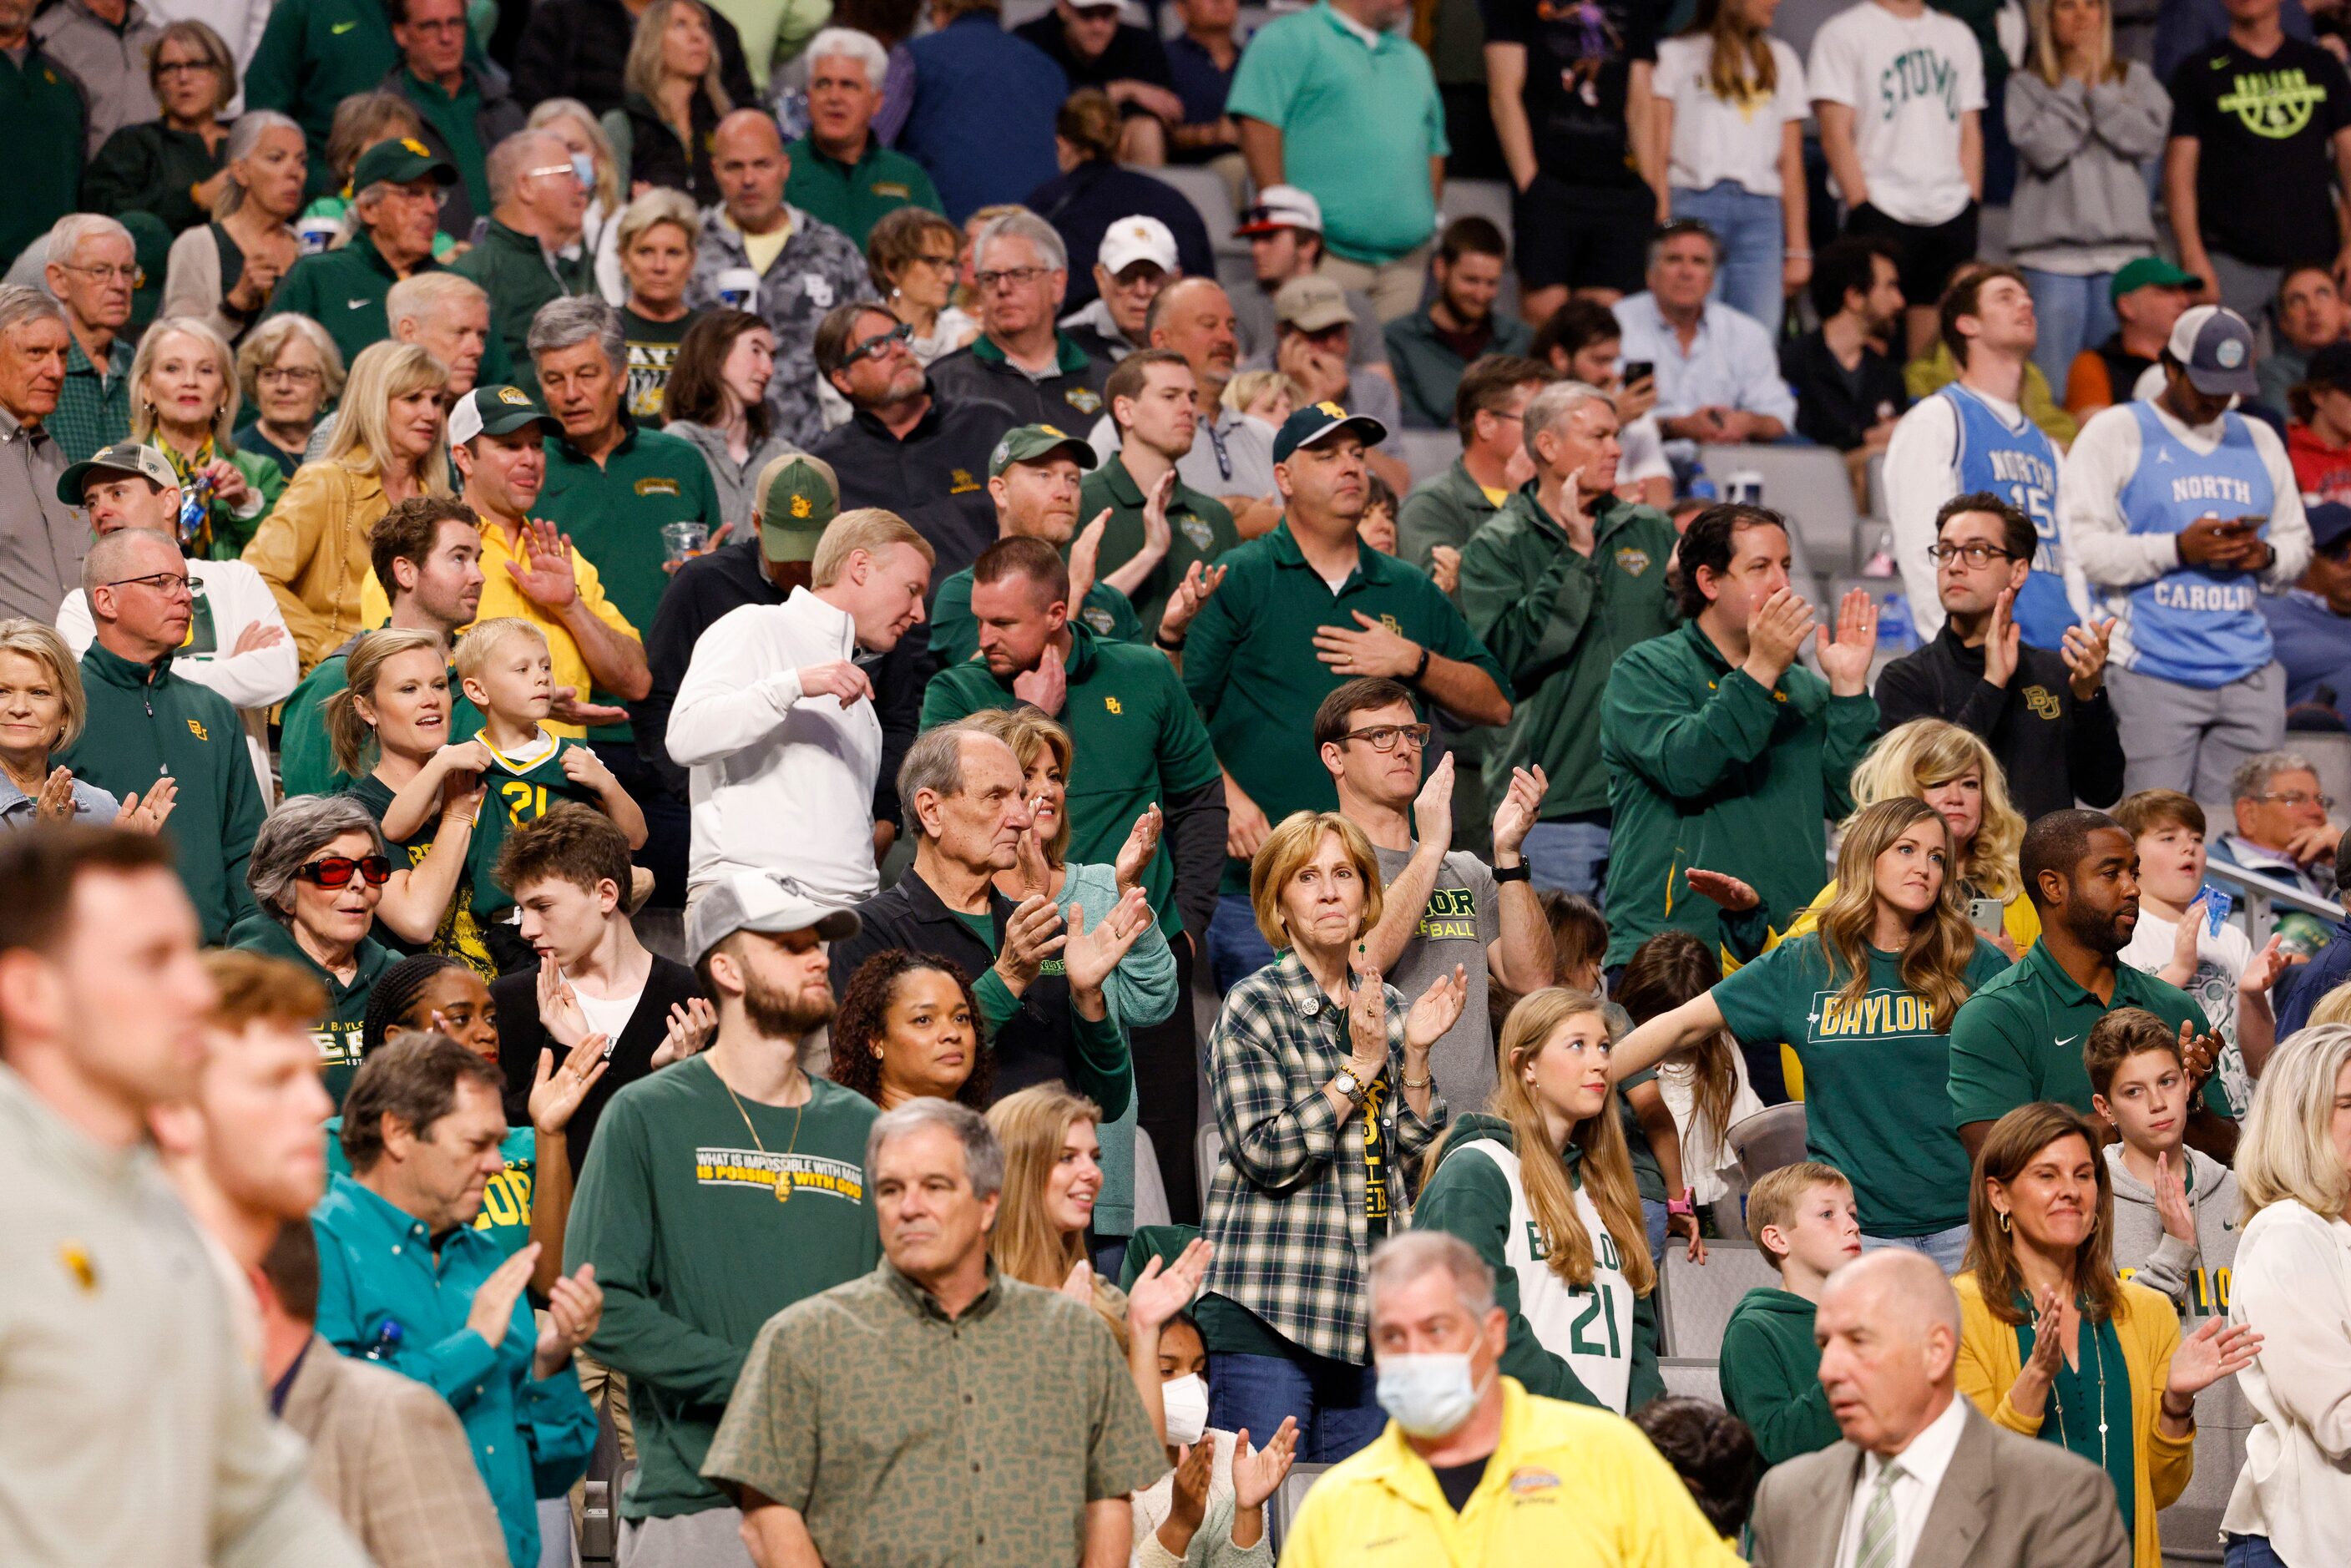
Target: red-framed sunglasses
336, 871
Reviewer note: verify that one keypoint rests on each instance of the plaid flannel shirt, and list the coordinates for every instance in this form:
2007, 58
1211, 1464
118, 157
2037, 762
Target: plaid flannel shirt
1286, 1211
93, 408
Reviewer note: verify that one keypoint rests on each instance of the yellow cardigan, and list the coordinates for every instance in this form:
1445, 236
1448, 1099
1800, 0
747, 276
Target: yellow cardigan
312, 551
2148, 1327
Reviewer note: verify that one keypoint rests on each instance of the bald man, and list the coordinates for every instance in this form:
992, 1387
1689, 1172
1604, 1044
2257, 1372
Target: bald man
531, 252
787, 268
1922, 1481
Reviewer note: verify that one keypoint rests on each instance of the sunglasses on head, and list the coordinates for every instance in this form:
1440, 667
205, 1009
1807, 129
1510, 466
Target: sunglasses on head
335, 870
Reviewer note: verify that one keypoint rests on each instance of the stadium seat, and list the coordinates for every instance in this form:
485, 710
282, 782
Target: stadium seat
1769, 1139
1282, 1506
1207, 1152
1149, 1188
1210, 197
1690, 1377
1808, 485
1698, 1297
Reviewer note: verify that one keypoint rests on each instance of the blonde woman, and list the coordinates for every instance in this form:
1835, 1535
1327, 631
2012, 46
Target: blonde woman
911, 255
2054, 1346
570, 121
1542, 1185
2292, 1504
658, 234
675, 99
223, 272
388, 444
42, 709
1052, 1175
1864, 999
290, 372
184, 403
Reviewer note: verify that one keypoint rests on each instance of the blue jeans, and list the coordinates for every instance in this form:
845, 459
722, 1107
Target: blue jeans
1749, 227
1653, 1221
1336, 1404
1237, 948
1570, 856
1948, 1248
2075, 314
2249, 1551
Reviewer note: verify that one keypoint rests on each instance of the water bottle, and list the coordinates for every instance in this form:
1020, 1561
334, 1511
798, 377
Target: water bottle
1895, 634
195, 512
386, 1343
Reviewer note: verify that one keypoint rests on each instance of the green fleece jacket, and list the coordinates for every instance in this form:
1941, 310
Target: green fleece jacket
1557, 619
145, 722
1563, 1339
1771, 1375
1707, 768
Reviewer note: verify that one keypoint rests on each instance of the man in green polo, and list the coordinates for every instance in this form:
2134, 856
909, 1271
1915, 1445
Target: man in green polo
2020, 1038
312, 56
1300, 611
1158, 525
1034, 476
531, 252
840, 172
397, 188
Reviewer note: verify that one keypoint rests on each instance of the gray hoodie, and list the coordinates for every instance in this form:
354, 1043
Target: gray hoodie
2195, 1276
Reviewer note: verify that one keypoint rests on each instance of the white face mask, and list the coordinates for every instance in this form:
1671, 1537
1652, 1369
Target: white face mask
1428, 1395
1186, 1400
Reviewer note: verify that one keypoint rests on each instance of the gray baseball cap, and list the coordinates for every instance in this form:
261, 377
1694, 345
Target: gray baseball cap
2215, 347
763, 901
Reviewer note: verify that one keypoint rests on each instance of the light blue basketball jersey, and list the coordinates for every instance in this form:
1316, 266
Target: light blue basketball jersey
2194, 627
2019, 463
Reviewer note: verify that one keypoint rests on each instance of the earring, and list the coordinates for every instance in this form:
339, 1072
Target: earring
2003, 1221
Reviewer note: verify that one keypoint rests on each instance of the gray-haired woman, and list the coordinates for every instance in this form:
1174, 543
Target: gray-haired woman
223, 271
317, 871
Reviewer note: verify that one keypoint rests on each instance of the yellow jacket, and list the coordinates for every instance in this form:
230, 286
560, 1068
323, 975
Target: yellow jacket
1568, 1487
501, 597
312, 550
2148, 1327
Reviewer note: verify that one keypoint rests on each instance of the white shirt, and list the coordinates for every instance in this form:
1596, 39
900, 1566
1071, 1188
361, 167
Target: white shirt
2220, 961
778, 782
1923, 1464
1232, 455
1909, 80
1731, 362
2293, 1282
607, 1016
1717, 139
1644, 454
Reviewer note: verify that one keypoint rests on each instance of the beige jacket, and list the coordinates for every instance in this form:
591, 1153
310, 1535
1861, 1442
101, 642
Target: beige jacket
312, 550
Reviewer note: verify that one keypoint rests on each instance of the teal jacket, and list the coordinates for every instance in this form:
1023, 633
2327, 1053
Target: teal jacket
144, 722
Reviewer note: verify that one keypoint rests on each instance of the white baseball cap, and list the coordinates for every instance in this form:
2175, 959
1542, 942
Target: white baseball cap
1137, 238
761, 901
1281, 208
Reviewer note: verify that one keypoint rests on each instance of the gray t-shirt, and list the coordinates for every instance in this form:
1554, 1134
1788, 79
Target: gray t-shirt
1463, 918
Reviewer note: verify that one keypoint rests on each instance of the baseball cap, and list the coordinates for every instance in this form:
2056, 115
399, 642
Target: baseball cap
2215, 347
398, 161
1318, 420
1028, 442
1281, 208
765, 901
122, 458
1138, 239
1312, 303
2330, 524
2151, 272
797, 496
497, 411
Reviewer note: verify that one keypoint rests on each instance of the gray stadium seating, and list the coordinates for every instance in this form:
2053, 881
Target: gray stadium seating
1282, 1506
1773, 1137
1689, 1378
1696, 1298
1208, 1153
1806, 482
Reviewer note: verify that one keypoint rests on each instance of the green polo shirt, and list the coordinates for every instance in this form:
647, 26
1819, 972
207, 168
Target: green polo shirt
2020, 1038
1250, 662
338, 1033
1136, 740
614, 512
42, 110
514, 270
456, 115
853, 197
955, 635
343, 290
1201, 527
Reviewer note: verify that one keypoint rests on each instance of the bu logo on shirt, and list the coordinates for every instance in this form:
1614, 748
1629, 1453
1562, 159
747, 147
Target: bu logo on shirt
2274, 104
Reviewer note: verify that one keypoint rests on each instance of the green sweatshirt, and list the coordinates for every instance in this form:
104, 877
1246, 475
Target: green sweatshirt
1771, 1375
514, 271
1594, 1344
145, 722
1707, 768
342, 291
1557, 619
677, 1207
338, 1033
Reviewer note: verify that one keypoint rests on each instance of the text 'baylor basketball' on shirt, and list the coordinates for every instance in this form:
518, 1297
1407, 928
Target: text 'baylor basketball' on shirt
2013, 458
2195, 626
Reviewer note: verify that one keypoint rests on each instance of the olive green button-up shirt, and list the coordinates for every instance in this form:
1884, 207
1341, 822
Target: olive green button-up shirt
906, 1439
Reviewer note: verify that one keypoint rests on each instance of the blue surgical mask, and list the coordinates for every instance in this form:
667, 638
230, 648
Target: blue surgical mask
585, 167
1428, 1394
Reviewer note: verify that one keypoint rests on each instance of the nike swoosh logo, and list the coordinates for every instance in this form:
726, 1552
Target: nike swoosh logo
339, 28
362, 304
2069, 1039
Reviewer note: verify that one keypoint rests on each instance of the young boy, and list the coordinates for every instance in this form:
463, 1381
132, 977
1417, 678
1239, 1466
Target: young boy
2175, 1207
2174, 943
1804, 1219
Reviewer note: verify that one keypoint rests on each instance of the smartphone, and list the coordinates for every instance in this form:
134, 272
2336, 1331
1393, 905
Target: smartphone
1635, 370
2247, 524
1987, 916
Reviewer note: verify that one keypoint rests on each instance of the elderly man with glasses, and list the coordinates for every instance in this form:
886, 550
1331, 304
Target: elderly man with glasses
2284, 828
92, 270
398, 188
1021, 359
146, 721
531, 253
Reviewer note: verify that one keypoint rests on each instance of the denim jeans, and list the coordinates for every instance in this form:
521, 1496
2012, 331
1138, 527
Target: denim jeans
2074, 313
2249, 1551
1570, 856
1652, 1221
1336, 1404
1749, 227
1948, 1248
1237, 948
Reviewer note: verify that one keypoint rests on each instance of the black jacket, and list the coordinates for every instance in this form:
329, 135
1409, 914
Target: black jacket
656, 157
521, 1037
2051, 747
576, 49
727, 579
936, 478
1082, 204
1832, 407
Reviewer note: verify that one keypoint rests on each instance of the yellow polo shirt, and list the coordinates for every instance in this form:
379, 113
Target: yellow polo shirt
501, 597
1568, 1487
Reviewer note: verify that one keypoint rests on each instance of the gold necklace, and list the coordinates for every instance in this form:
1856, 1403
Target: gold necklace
783, 1177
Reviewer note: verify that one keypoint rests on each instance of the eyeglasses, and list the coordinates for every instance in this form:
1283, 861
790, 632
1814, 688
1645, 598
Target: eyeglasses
169, 584
438, 195
1382, 738
336, 871
881, 343
289, 375
1021, 276
570, 169
944, 263
1976, 554
2297, 799
185, 67
126, 276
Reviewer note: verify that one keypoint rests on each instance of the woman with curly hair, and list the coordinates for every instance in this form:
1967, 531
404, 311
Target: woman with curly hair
907, 1027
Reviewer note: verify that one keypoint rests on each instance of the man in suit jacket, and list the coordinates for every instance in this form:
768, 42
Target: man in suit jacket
1922, 1481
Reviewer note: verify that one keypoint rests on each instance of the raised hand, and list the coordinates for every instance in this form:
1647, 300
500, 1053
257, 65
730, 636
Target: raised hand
1031, 936
560, 1012
2186, 940
2198, 1053
1845, 660
1722, 888
149, 815
1522, 805
2319, 842
1437, 1009
2004, 642
574, 1307
257, 635
2049, 1326
2085, 652
55, 803
1432, 808
2262, 972
1187, 1502
1079, 1286
1157, 535
1092, 954
1035, 871
1142, 843
1085, 558
1158, 1295
1776, 629
1046, 687
838, 678
1258, 1473
228, 485
556, 1093
2218, 1350
491, 1314
1199, 582
2171, 1201
545, 574
687, 1031
1367, 1020
568, 707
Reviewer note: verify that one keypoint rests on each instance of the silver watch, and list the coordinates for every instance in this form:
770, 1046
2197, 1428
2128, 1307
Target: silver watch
1351, 1086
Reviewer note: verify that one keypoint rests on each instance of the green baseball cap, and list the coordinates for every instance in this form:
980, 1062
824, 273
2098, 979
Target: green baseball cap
398, 161
1028, 442
497, 411
2151, 271
798, 496
121, 459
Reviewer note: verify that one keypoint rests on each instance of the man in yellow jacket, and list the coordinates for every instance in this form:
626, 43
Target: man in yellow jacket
1475, 1472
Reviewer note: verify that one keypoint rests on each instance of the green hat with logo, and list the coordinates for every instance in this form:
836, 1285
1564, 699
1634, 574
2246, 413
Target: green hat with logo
2151, 271
398, 161
1030, 443
498, 410
798, 496
122, 460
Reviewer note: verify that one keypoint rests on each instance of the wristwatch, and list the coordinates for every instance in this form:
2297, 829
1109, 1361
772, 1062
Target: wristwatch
1351, 1086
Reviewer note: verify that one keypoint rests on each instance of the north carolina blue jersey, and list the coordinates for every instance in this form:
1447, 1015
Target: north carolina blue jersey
2019, 463
2192, 625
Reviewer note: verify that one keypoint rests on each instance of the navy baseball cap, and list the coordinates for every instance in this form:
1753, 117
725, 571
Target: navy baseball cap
1318, 422
2330, 524
2215, 347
